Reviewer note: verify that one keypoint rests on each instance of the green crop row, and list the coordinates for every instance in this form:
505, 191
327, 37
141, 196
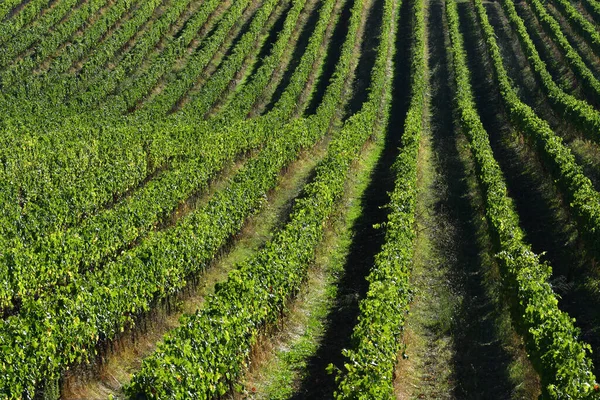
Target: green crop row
369, 369
204, 360
584, 200
311, 59
7, 6
87, 167
243, 100
162, 103
201, 59
75, 170
593, 7
218, 80
61, 176
59, 257
279, 147
587, 29
551, 338
249, 44
144, 79
62, 327
96, 62
50, 43
93, 50
62, 253
582, 113
108, 80
97, 304
91, 36
589, 82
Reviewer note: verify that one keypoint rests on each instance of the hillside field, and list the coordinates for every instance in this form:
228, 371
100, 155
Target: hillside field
299, 199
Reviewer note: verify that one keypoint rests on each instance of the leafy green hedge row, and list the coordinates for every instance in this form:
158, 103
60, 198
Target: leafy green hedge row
57, 258
288, 101
112, 178
102, 53
107, 80
587, 29
589, 82
376, 337
29, 178
91, 36
137, 166
61, 328
63, 174
28, 36
52, 180
54, 83
50, 42
63, 253
142, 15
201, 103
187, 77
138, 82
311, 59
200, 359
582, 113
142, 81
193, 377
551, 339
243, 100
91, 163
584, 200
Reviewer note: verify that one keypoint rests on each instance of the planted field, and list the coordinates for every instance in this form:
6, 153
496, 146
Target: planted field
300, 199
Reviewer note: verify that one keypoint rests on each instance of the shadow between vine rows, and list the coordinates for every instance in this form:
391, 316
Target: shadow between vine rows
332, 55
544, 216
297, 53
368, 53
480, 362
530, 92
270, 40
367, 240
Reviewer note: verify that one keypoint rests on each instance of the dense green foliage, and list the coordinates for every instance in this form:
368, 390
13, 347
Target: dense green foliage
132, 281
13, 25
211, 347
593, 6
551, 338
138, 137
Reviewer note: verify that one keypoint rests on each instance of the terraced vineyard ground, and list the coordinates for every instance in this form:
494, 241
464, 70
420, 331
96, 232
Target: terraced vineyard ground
300, 199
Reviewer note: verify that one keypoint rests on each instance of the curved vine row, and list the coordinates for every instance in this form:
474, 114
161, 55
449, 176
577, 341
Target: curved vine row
551, 338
